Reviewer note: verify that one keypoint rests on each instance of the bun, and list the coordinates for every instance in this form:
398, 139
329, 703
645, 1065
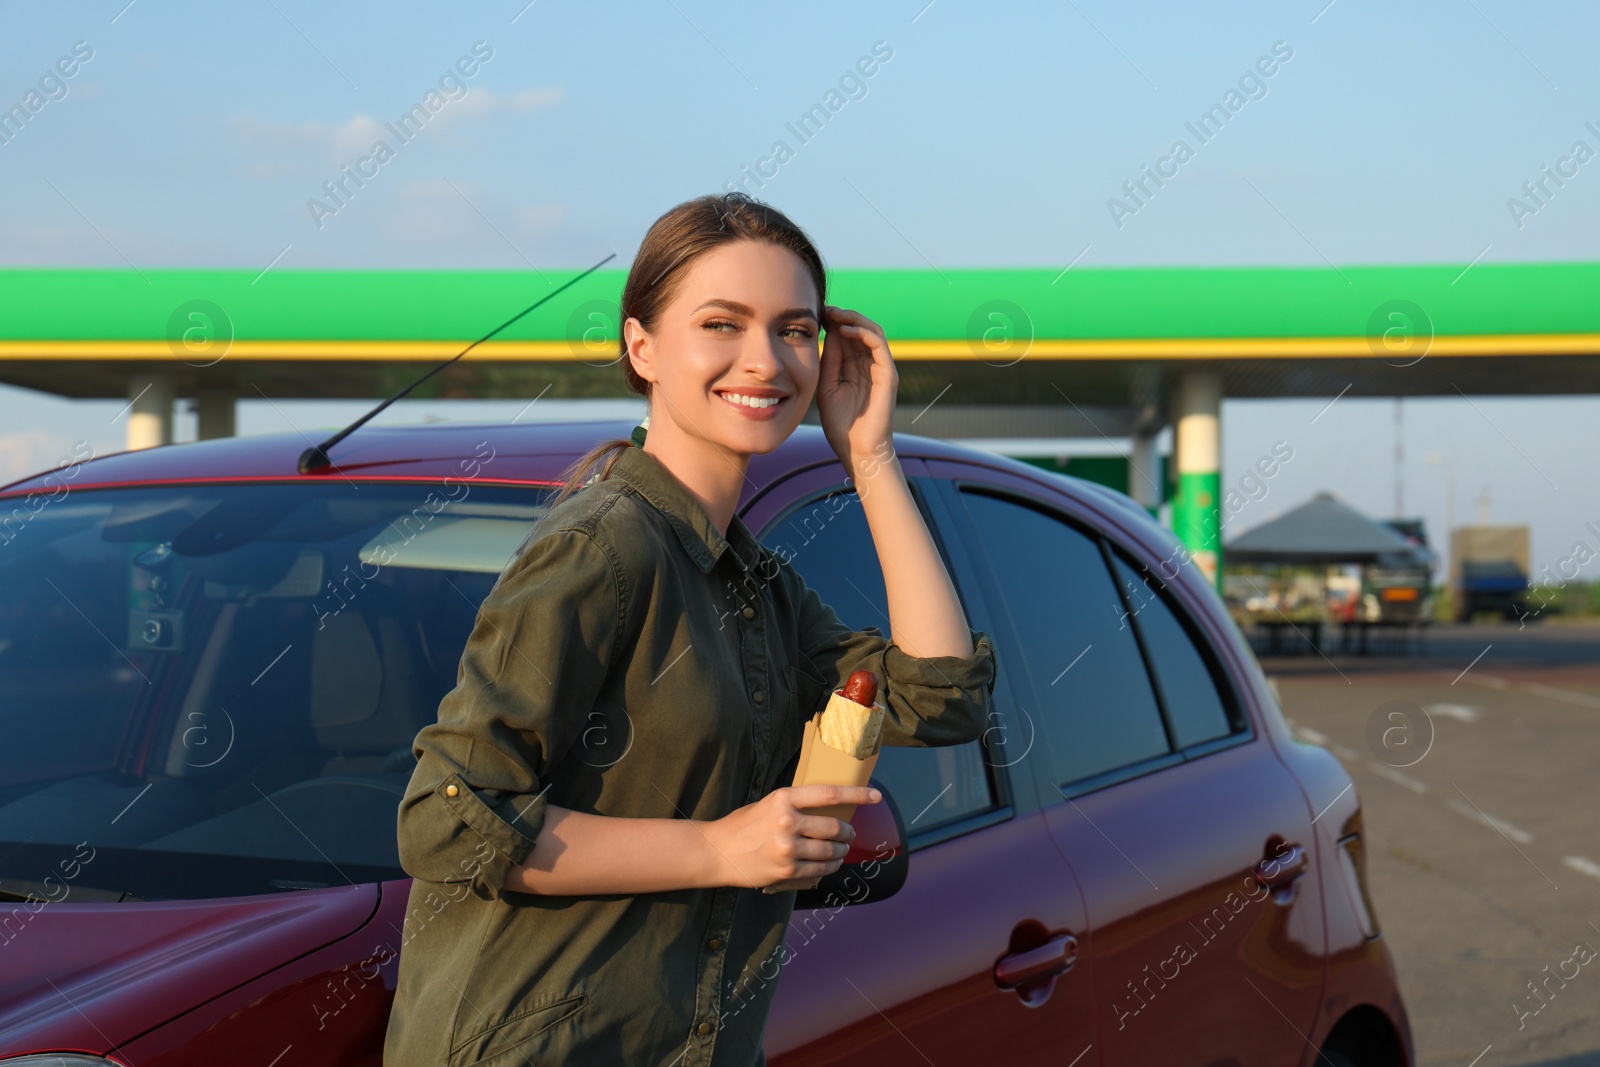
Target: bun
851, 728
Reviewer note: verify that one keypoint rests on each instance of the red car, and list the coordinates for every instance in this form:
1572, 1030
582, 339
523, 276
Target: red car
211, 685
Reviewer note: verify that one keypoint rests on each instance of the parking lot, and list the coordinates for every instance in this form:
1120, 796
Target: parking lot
1476, 764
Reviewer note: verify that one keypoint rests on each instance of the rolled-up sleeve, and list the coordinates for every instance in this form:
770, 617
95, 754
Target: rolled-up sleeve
532, 667
929, 701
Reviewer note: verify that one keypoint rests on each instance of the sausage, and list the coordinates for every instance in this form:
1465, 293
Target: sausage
862, 687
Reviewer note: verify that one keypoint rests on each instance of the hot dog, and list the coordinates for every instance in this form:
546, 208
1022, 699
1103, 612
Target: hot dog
862, 687
852, 721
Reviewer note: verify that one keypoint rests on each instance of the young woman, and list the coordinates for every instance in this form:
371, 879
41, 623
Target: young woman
604, 845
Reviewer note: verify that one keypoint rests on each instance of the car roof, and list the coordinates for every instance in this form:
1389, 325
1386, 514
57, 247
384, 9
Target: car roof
505, 452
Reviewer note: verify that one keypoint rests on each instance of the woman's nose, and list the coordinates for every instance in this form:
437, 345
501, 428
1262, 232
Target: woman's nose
759, 356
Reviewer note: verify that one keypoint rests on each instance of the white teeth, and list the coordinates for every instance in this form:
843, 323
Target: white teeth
752, 401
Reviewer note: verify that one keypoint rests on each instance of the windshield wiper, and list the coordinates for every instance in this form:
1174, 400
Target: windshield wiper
22, 891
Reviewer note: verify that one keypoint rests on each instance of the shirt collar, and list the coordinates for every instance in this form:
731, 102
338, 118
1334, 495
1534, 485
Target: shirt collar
645, 474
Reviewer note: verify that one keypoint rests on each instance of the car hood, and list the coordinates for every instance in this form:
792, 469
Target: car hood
131, 967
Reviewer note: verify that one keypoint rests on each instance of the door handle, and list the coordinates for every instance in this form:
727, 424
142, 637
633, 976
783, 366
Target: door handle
1051, 958
1281, 866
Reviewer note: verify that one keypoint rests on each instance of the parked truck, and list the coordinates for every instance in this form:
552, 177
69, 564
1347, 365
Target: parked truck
1488, 570
1399, 588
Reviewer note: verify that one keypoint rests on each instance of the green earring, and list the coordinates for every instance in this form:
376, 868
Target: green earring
639, 431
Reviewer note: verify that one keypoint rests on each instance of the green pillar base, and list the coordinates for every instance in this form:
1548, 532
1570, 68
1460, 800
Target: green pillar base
1197, 521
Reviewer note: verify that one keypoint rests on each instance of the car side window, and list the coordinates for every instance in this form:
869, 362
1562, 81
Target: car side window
1195, 706
1096, 708
828, 542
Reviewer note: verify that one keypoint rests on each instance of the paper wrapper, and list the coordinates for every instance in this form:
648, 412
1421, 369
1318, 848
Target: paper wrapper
822, 764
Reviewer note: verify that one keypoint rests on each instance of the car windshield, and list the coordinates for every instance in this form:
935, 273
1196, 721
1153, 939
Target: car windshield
212, 690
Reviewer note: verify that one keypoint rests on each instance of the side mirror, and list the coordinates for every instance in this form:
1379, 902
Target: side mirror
875, 867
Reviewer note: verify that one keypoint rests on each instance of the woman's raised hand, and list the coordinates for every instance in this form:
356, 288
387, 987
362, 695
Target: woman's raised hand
857, 388
775, 845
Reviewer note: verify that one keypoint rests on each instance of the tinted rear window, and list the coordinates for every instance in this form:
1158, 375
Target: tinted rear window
1095, 705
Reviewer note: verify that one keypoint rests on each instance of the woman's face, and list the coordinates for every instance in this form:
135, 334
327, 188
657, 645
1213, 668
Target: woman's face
734, 357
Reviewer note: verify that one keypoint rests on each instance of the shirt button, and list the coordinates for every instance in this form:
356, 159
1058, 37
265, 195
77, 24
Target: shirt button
758, 696
714, 944
748, 612
451, 790
703, 1028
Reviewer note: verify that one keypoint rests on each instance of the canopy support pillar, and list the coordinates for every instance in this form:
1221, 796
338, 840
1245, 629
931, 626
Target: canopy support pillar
1196, 508
214, 413
149, 409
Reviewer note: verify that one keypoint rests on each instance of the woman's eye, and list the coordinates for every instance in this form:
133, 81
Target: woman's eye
790, 331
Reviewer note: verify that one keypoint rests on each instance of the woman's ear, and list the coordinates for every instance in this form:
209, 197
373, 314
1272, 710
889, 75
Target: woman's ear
640, 348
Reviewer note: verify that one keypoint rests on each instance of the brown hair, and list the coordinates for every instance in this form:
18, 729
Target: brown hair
674, 241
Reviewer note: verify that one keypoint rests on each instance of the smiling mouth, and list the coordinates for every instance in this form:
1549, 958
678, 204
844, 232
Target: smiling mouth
748, 400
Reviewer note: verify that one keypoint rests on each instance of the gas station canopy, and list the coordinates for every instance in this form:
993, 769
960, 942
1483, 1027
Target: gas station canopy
1085, 337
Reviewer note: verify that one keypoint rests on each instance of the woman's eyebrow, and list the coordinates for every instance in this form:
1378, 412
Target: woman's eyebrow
750, 312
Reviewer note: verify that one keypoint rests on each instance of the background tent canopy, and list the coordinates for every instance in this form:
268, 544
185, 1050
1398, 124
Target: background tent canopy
1323, 530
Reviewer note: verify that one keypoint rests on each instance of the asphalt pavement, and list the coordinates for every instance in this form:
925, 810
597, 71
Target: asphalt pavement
1476, 760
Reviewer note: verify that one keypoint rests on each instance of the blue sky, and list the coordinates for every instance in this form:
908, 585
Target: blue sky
992, 135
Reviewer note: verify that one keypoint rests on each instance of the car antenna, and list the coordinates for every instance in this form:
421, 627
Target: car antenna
316, 458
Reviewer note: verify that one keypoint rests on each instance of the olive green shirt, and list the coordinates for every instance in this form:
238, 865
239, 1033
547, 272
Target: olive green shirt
630, 661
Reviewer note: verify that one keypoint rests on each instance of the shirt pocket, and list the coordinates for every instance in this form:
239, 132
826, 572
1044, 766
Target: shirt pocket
522, 1039
808, 692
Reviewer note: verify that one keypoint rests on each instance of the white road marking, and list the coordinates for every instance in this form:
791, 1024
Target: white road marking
1464, 712
1568, 695
1520, 836
1583, 865
1385, 771
1344, 752
1313, 736
1500, 828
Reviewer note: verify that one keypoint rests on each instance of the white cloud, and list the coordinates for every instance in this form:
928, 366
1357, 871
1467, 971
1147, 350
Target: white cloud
340, 142
434, 210
482, 102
